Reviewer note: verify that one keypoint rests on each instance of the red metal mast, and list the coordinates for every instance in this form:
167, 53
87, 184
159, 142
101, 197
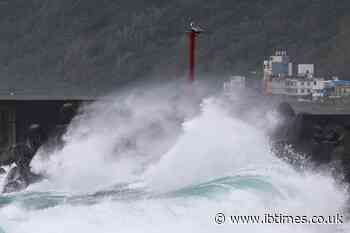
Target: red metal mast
192, 53
192, 36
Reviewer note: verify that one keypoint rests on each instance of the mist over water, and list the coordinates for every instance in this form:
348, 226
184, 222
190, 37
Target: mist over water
167, 159
114, 140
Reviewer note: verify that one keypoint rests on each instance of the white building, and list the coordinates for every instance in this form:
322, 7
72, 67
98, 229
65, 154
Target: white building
278, 65
320, 87
276, 69
280, 80
276, 86
306, 70
299, 87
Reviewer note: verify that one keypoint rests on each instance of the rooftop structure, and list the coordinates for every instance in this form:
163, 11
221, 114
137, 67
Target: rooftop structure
280, 80
340, 88
278, 65
306, 70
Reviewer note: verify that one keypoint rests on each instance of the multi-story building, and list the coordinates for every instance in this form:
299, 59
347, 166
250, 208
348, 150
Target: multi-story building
276, 69
340, 88
279, 79
278, 65
306, 70
295, 86
321, 88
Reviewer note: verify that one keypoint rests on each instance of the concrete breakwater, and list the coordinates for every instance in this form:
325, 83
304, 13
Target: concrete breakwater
324, 138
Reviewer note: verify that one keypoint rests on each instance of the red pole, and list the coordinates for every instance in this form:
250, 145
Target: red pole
192, 48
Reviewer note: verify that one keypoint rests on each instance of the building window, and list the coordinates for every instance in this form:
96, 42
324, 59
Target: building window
315, 83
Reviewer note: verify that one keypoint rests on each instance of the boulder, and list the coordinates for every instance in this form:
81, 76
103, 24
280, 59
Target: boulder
341, 152
18, 179
286, 117
20, 176
14, 181
285, 110
2, 171
322, 139
295, 129
6, 158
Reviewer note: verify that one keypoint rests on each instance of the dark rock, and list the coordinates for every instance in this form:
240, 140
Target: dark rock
6, 158
341, 153
18, 179
296, 129
285, 110
287, 134
323, 138
67, 112
286, 117
22, 154
2, 171
14, 181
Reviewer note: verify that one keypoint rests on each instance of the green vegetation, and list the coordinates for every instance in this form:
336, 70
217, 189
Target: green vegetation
49, 43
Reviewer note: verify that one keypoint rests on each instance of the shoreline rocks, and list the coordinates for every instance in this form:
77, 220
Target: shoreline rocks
20, 176
18, 179
2, 171
323, 138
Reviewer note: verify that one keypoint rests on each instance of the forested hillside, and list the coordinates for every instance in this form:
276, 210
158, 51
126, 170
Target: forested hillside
50, 43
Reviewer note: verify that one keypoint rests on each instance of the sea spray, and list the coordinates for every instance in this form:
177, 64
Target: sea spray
212, 145
176, 178
114, 140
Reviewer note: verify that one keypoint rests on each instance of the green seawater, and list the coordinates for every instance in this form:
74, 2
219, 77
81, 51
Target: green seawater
224, 185
121, 192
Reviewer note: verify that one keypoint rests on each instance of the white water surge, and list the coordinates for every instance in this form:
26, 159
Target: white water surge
154, 161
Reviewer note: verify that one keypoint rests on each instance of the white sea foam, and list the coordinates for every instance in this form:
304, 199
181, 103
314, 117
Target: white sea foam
173, 145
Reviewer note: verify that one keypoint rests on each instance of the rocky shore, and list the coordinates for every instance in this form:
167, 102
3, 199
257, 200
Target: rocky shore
323, 138
20, 156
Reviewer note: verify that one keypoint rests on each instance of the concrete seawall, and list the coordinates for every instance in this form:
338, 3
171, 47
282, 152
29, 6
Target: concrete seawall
325, 138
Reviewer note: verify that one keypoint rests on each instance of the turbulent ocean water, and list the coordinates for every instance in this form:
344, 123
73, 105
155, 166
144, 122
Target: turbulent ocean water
159, 160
